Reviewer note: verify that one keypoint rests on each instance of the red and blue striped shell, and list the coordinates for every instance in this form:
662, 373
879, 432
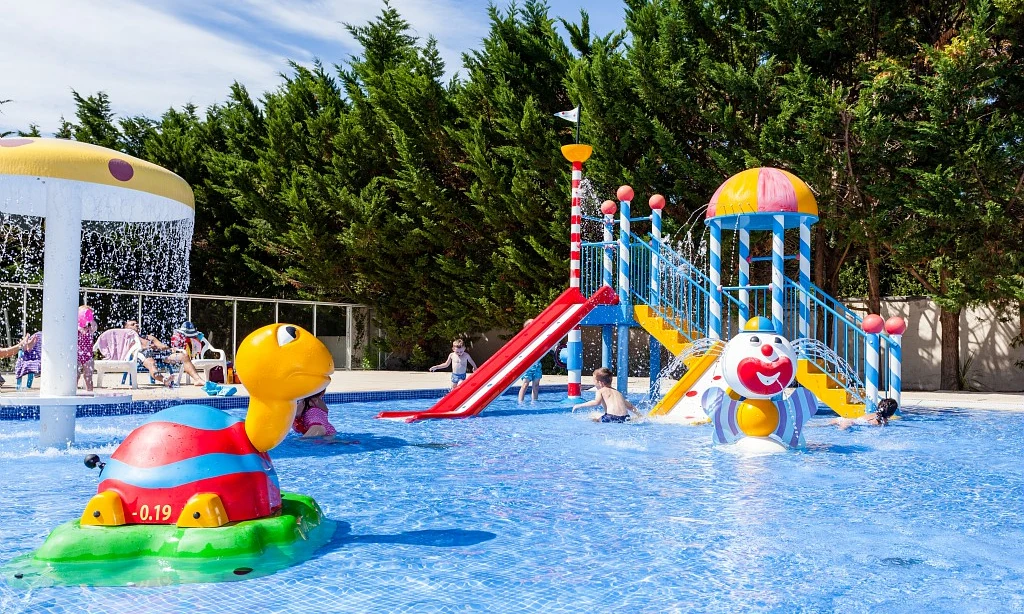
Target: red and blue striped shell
186, 450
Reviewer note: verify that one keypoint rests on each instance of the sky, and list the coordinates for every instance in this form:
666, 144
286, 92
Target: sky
148, 55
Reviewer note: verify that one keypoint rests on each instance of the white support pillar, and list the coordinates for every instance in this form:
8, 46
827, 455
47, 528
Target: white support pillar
61, 271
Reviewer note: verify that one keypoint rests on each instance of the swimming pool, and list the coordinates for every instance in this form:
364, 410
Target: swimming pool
534, 509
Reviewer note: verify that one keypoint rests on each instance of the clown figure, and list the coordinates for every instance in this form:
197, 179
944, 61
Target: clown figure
758, 364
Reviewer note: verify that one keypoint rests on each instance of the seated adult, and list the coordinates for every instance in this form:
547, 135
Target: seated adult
11, 351
6, 353
154, 352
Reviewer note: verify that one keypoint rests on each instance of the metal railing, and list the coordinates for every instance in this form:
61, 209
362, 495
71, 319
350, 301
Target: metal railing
841, 347
344, 327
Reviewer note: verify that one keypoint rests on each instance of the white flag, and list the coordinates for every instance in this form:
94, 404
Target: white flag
571, 116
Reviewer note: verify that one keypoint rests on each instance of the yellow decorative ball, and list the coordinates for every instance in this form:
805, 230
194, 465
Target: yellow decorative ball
757, 417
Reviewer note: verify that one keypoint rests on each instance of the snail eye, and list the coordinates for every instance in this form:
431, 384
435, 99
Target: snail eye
754, 340
287, 334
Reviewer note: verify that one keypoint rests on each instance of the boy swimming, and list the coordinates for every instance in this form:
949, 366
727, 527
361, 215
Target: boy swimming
616, 407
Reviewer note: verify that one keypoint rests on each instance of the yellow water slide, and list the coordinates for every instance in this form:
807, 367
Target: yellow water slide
699, 364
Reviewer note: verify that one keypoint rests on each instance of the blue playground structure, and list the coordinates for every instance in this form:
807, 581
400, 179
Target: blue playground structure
847, 361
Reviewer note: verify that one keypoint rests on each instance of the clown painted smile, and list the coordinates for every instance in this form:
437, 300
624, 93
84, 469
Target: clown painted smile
763, 377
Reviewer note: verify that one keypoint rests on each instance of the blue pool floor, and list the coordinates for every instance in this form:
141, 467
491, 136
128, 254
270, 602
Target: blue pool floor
533, 509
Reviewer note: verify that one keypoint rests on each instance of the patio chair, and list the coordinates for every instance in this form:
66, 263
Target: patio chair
120, 348
205, 365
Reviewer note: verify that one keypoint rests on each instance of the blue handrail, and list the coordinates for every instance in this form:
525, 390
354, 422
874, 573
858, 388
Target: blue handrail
685, 297
683, 290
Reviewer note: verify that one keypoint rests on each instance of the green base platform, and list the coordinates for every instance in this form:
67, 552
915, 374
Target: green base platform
147, 555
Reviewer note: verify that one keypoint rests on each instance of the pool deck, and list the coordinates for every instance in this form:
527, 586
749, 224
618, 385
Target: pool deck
365, 381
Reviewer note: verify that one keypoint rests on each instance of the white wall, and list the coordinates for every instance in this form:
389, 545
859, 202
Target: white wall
985, 333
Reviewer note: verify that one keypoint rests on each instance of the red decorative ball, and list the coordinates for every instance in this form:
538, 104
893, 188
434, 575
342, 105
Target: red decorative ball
872, 323
657, 202
624, 193
609, 207
895, 325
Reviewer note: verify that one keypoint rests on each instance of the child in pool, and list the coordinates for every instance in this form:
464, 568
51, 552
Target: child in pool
616, 407
311, 418
458, 359
886, 409
29, 358
532, 375
86, 329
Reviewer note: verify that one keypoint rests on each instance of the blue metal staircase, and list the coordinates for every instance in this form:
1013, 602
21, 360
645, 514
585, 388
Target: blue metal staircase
828, 337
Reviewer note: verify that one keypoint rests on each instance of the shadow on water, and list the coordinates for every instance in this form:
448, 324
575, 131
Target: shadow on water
531, 410
347, 443
434, 538
835, 448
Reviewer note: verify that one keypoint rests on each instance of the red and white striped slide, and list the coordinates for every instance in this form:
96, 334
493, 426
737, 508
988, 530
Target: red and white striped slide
513, 359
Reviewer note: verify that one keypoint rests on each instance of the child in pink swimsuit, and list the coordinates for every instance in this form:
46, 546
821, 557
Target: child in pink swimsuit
311, 418
86, 329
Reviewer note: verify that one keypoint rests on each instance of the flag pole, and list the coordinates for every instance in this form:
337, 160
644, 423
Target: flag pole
579, 115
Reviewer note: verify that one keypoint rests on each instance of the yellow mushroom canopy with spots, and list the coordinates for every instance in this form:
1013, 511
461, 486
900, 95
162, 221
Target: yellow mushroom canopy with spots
107, 184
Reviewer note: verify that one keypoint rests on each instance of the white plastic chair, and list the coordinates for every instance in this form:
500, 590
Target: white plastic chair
127, 363
204, 365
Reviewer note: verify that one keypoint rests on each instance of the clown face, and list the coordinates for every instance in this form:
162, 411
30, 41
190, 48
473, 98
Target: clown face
758, 364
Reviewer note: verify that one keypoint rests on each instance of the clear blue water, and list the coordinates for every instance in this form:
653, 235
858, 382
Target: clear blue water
537, 510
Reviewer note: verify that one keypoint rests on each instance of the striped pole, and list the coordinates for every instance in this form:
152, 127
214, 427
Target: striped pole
608, 208
744, 276
715, 273
625, 195
577, 154
657, 203
805, 275
896, 326
871, 371
574, 226
778, 270
896, 369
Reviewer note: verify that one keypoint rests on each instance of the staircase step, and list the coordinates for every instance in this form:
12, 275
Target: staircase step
811, 376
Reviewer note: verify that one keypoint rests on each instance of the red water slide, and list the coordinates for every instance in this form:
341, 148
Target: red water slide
513, 359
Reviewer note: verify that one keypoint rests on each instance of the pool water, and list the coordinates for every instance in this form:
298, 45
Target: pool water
533, 509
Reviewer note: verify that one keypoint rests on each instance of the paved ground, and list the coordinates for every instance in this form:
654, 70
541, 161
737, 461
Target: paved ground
358, 381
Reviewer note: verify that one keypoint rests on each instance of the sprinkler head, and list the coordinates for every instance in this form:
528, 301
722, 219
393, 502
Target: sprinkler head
92, 461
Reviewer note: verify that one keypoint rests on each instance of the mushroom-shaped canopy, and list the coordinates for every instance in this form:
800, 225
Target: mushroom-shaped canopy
109, 186
750, 199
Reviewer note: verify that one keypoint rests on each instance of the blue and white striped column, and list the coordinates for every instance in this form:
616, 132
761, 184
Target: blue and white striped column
778, 271
896, 326
896, 369
805, 276
625, 194
608, 276
744, 276
608, 208
871, 371
715, 274
657, 203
